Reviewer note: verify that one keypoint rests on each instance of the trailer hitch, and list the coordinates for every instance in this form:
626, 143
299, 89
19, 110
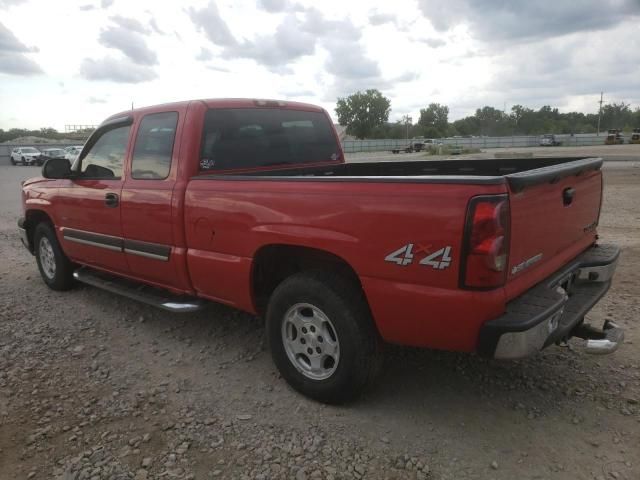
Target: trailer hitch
599, 341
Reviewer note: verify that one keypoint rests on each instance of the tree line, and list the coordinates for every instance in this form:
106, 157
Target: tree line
366, 115
49, 133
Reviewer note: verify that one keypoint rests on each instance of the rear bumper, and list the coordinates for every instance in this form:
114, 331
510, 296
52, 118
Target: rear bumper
553, 310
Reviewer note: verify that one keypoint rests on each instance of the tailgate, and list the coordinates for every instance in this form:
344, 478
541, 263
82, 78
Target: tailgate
554, 214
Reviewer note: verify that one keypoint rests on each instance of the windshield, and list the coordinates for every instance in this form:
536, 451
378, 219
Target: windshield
30, 150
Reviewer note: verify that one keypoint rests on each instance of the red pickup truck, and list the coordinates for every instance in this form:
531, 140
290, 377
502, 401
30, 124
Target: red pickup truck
250, 203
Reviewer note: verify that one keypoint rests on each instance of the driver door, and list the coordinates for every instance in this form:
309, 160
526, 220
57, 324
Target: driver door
88, 207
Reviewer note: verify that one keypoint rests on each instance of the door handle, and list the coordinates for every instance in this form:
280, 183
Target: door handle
111, 200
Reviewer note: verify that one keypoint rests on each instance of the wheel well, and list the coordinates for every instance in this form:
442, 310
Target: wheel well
32, 219
274, 263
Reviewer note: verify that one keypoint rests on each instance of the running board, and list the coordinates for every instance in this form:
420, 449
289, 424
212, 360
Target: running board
138, 291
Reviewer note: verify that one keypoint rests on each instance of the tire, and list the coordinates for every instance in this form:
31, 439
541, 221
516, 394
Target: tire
344, 345
13, 162
23, 161
55, 268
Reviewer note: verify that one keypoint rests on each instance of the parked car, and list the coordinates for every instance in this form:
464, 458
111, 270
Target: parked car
25, 156
250, 203
635, 136
423, 144
614, 137
48, 153
414, 145
72, 152
549, 140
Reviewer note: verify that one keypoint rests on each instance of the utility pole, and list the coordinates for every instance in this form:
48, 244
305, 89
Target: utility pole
407, 120
600, 112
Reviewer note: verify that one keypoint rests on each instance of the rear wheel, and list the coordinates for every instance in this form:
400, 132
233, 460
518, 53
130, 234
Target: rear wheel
322, 337
55, 268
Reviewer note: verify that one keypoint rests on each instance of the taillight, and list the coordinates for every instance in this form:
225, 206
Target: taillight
485, 254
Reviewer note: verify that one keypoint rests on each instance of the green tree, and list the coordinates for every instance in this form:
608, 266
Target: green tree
492, 121
617, 115
467, 126
435, 120
363, 112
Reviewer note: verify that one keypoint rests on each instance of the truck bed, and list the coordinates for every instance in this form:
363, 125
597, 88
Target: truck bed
517, 172
370, 215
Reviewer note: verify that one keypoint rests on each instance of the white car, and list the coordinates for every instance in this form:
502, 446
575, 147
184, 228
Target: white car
25, 156
71, 153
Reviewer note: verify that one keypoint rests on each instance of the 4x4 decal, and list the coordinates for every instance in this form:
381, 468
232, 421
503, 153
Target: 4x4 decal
439, 260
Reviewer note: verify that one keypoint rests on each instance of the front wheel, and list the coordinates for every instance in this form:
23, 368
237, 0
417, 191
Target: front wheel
321, 335
13, 162
55, 268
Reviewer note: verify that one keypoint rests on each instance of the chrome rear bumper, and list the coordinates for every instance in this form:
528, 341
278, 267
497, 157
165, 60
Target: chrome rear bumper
553, 311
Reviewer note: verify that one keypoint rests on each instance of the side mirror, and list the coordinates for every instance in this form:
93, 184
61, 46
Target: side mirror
57, 168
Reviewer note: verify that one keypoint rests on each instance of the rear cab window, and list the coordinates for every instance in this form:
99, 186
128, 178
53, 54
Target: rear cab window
244, 138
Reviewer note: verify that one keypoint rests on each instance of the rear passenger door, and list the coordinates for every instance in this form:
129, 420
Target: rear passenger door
151, 219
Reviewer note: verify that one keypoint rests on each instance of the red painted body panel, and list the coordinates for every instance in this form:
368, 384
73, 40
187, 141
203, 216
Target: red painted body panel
359, 222
215, 228
148, 215
80, 204
541, 224
426, 316
222, 278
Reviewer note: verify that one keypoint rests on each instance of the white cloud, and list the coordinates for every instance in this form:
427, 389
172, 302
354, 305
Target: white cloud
376, 18
129, 24
463, 53
275, 51
17, 64
130, 43
273, 6
204, 55
9, 3
522, 20
13, 60
115, 70
209, 20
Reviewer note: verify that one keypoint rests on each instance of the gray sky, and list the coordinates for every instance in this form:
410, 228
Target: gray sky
76, 62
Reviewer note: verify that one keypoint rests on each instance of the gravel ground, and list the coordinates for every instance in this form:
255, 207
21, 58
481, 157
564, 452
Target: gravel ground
93, 386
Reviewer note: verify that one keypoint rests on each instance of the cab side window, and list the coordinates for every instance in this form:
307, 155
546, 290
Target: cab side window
106, 157
154, 146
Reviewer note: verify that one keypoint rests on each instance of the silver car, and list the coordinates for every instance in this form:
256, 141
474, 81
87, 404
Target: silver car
72, 152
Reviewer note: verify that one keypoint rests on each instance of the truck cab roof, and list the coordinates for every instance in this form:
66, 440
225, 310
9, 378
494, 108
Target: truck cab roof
221, 103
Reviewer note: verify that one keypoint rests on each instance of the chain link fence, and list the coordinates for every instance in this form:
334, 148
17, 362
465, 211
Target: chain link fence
354, 146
